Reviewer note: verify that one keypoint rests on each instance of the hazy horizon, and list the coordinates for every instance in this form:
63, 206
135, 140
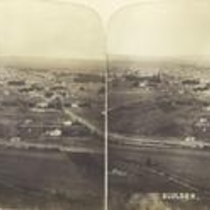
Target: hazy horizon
53, 63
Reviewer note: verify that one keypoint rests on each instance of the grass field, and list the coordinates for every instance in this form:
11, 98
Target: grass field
47, 181
137, 177
188, 165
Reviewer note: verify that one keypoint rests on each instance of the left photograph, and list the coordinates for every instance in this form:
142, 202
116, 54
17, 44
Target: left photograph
52, 96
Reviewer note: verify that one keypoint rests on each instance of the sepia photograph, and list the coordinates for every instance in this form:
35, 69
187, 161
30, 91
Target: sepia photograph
104, 105
158, 106
52, 92
159, 128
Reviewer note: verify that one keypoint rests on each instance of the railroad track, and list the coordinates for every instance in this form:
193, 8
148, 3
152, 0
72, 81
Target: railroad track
133, 167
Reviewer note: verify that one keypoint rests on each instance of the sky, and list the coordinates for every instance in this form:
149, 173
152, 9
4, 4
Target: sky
149, 28
30, 28
172, 29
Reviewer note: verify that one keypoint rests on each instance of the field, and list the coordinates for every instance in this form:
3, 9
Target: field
152, 103
134, 170
187, 164
49, 145
30, 179
161, 103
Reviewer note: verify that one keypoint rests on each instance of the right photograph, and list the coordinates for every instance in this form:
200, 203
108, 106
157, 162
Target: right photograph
159, 106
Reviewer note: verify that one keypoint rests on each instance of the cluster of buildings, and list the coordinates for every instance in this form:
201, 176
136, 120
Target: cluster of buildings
31, 107
181, 92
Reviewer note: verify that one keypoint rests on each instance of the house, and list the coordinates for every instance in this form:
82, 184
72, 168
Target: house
67, 123
16, 83
74, 105
15, 139
54, 133
42, 105
189, 139
56, 103
191, 82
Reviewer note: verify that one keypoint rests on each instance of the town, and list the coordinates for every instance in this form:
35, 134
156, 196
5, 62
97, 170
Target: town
51, 138
33, 104
159, 132
179, 104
